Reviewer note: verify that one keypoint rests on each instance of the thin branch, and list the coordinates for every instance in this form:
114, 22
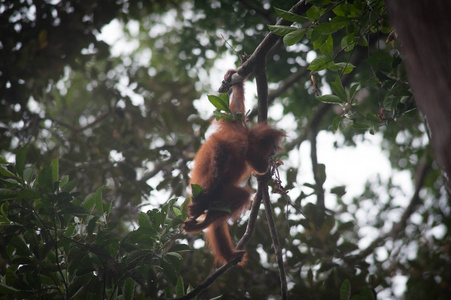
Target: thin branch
262, 91
269, 41
252, 219
207, 282
78, 129
275, 240
420, 175
318, 177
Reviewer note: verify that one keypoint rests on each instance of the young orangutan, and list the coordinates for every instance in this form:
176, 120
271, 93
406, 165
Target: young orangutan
225, 160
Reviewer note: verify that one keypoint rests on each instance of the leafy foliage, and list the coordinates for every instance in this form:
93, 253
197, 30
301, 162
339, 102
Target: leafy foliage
56, 245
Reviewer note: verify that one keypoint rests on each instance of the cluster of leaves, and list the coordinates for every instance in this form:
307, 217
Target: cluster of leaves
55, 244
223, 111
337, 28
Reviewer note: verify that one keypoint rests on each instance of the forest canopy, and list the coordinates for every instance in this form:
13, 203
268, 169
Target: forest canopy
103, 105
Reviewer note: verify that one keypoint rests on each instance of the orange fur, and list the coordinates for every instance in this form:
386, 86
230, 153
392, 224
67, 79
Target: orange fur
220, 166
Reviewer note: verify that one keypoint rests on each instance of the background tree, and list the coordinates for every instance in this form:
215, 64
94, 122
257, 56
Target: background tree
126, 124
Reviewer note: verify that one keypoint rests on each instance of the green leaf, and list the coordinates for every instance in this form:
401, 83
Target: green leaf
45, 179
64, 180
373, 117
99, 200
177, 211
89, 202
289, 16
362, 124
345, 290
68, 187
179, 248
345, 67
225, 99
381, 61
218, 102
6, 194
327, 28
5, 289
328, 46
320, 63
314, 13
332, 99
196, 190
169, 270
362, 41
20, 161
6, 173
338, 190
366, 294
3, 160
338, 88
336, 122
348, 42
20, 245
28, 173
294, 37
28, 194
281, 30
352, 90
144, 220
129, 289
179, 287
318, 42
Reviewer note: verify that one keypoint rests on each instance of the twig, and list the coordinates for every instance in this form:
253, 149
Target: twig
78, 129
207, 282
316, 173
252, 219
275, 239
269, 41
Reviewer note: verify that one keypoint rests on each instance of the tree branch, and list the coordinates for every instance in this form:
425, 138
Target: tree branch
268, 42
252, 219
78, 129
207, 282
275, 239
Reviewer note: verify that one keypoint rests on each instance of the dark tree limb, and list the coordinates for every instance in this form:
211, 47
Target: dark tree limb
262, 93
424, 32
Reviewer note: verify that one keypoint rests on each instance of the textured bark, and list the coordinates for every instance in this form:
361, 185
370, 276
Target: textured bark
423, 28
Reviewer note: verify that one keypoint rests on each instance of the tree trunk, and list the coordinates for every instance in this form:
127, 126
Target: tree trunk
423, 29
